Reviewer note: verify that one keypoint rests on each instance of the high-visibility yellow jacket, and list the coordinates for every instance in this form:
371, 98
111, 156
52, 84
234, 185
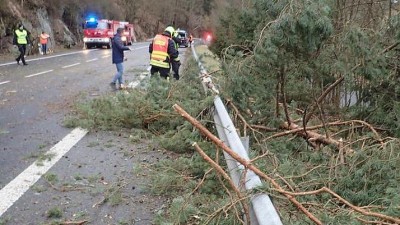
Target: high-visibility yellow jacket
22, 36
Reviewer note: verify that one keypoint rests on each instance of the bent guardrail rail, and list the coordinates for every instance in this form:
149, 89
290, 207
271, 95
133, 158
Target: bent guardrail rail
262, 211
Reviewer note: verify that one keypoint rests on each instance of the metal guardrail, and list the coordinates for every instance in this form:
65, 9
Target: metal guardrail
262, 211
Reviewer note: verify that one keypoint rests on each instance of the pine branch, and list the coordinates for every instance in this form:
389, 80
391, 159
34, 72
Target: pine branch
245, 163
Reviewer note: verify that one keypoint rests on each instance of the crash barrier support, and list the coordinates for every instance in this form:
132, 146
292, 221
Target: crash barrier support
262, 211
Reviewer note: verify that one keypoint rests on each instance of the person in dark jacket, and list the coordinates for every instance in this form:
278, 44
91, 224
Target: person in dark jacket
118, 58
21, 40
176, 63
162, 52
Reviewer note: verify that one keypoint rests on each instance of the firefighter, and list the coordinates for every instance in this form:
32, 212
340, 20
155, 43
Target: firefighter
162, 52
21, 40
176, 63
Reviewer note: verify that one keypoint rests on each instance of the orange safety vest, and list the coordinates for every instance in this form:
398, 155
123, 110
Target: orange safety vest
43, 38
159, 56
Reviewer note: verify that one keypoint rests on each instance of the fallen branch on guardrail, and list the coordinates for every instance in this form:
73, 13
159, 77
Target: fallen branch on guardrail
290, 195
245, 163
219, 169
207, 81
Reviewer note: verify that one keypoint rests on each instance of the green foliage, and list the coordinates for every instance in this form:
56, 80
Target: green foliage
55, 212
172, 177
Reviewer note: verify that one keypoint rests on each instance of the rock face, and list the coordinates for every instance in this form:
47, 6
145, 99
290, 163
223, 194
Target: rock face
45, 26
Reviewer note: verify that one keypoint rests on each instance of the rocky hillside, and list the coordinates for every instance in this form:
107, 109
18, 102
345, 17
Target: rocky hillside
63, 20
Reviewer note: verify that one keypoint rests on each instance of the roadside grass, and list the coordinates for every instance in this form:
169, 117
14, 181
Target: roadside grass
44, 157
5, 220
93, 144
39, 188
55, 212
51, 178
2, 131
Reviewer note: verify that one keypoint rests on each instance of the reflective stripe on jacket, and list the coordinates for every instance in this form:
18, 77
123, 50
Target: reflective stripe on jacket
21, 37
159, 56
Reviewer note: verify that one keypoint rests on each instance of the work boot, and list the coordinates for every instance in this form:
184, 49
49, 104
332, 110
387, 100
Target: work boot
112, 85
25, 64
17, 61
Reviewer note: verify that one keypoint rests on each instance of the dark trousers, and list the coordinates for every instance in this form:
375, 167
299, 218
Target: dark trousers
164, 72
44, 49
175, 67
22, 50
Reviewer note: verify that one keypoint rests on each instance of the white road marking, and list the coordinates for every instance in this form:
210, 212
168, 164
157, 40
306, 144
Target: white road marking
135, 83
49, 57
91, 60
106, 56
75, 64
5, 82
36, 74
17, 187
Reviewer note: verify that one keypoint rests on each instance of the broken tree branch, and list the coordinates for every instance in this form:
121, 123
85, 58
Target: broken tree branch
355, 208
298, 130
244, 162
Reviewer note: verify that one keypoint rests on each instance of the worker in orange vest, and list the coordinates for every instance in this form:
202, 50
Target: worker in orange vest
43, 42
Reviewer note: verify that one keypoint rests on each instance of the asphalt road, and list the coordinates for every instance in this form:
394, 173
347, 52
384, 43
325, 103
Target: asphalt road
34, 100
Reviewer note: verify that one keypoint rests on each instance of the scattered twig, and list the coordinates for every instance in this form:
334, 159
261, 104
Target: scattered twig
230, 103
74, 222
321, 98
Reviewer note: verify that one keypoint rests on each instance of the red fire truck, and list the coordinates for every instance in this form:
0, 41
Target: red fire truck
99, 33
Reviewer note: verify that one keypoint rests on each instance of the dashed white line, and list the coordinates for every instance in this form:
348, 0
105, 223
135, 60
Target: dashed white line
17, 187
36, 74
5, 82
49, 57
91, 60
106, 56
75, 64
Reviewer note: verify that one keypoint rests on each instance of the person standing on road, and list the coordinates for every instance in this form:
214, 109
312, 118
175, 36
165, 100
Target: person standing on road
162, 51
21, 40
118, 58
43, 42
